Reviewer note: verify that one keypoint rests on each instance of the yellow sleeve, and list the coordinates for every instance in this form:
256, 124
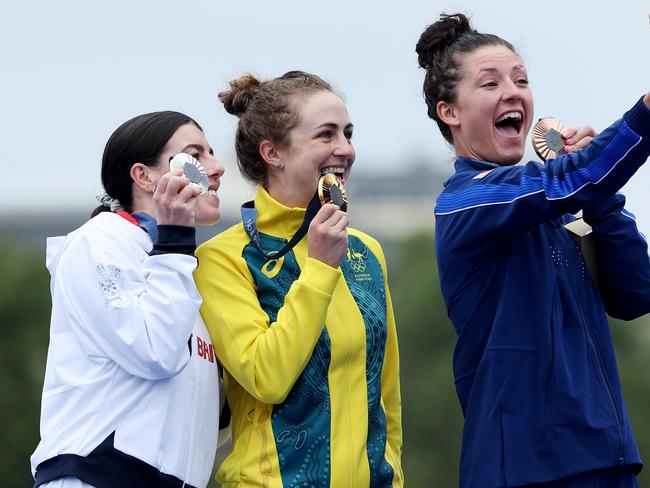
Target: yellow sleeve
390, 387
265, 359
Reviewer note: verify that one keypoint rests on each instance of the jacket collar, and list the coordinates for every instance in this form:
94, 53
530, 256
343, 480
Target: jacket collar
467, 164
275, 218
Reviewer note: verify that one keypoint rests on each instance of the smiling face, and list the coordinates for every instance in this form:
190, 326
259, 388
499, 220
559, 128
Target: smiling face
319, 143
493, 110
190, 139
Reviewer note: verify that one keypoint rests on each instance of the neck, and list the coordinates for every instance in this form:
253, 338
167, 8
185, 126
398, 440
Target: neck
288, 196
143, 202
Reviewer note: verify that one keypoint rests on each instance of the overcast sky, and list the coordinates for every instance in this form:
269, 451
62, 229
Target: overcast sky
72, 71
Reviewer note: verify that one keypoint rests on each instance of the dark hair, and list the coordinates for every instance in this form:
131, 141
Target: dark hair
138, 140
440, 50
266, 110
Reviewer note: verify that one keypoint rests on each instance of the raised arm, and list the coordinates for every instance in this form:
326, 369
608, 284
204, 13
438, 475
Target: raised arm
484, 207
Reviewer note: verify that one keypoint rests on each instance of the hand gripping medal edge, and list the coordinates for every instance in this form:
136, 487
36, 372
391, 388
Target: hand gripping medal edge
547, 138
192, 169
323, 195
548, 142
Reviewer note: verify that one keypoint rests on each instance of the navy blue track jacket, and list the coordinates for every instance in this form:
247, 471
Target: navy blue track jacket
534, 363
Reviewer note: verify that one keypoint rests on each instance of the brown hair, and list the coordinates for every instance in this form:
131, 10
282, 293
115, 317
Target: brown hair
266, 110
440, 50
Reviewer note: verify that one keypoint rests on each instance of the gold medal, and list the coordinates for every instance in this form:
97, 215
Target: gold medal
331, 190
547, 138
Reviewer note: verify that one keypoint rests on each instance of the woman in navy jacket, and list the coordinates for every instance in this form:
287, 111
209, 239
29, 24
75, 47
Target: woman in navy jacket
534, 363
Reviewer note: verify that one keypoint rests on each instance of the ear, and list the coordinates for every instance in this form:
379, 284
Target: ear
142, 177
270, 153
447, 113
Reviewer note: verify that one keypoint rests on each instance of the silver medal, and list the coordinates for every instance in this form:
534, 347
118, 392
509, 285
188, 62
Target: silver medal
192, 169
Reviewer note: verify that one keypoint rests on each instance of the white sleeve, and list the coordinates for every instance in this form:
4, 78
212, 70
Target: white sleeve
138, 313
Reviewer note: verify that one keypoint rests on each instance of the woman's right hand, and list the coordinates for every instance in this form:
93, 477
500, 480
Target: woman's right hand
327, 238
174, 199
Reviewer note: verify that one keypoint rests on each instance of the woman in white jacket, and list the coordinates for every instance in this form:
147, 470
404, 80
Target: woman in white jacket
131, 389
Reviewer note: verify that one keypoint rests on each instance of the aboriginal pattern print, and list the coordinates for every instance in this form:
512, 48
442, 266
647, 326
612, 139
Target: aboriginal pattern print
363, 274
301, 424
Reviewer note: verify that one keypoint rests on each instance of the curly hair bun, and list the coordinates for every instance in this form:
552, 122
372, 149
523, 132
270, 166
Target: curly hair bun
438, 36
242, 90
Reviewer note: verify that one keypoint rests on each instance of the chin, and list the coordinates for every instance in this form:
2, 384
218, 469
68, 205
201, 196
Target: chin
510, 158
208, 219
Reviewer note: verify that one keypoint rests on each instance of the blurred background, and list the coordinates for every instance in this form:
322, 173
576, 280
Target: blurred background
73, 71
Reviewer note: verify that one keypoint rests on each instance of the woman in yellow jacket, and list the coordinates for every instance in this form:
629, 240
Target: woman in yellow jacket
307, 340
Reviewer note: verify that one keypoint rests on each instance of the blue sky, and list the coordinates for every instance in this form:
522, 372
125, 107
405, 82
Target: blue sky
74, 70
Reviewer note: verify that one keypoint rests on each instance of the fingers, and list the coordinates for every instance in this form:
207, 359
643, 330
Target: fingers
324, 213
342, 224
163, 185
574, 135
327, 237
578, 138
175, 198
189, 192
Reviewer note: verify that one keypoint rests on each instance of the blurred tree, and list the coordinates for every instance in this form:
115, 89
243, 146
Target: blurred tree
25, 310
431, 415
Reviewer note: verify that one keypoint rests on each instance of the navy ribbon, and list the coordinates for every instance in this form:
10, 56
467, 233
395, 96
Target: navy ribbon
249, 220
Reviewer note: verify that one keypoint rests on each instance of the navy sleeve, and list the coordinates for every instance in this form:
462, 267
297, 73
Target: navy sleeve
175, 239
484, 208
621, 256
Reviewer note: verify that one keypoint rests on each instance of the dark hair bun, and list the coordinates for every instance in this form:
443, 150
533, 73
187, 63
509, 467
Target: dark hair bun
439, 36
242, 90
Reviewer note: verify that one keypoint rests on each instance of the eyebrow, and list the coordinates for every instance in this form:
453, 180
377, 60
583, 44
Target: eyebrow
519, 67
332, 125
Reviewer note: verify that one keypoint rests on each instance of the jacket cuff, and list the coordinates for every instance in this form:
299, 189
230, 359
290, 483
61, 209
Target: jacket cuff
598, 210
175, 239
320, 275
638, 118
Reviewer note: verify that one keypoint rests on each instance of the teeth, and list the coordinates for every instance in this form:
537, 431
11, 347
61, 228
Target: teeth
509, 115
333, 170
212, 193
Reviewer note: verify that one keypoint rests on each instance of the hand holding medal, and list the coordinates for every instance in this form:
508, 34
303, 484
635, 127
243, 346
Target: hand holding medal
330, 190
547, 138
192, 170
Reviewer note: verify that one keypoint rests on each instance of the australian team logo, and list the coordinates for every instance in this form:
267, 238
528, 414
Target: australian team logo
357, 260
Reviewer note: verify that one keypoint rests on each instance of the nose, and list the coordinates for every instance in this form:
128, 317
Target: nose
344, 149
213, 167
511, 91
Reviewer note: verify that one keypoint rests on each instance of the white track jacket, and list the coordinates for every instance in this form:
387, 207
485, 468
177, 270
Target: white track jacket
128, 353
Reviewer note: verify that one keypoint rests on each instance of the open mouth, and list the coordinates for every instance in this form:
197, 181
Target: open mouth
335, 170
510, 123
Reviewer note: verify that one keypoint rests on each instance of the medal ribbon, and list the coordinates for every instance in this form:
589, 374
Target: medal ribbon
249, 220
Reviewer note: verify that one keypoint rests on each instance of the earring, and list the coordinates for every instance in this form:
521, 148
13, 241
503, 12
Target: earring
279, 165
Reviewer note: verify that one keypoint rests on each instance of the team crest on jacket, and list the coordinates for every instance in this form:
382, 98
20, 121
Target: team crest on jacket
356, 258
110, 279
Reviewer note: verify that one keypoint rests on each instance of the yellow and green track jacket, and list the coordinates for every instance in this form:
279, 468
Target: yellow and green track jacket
311, 366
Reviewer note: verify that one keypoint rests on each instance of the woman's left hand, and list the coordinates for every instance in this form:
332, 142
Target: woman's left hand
576, 138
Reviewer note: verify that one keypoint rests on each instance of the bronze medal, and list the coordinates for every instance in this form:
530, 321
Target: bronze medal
331, 190
548, 142
547, 138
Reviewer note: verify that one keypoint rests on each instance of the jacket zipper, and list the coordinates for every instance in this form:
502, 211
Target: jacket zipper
608, 390
603, 378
